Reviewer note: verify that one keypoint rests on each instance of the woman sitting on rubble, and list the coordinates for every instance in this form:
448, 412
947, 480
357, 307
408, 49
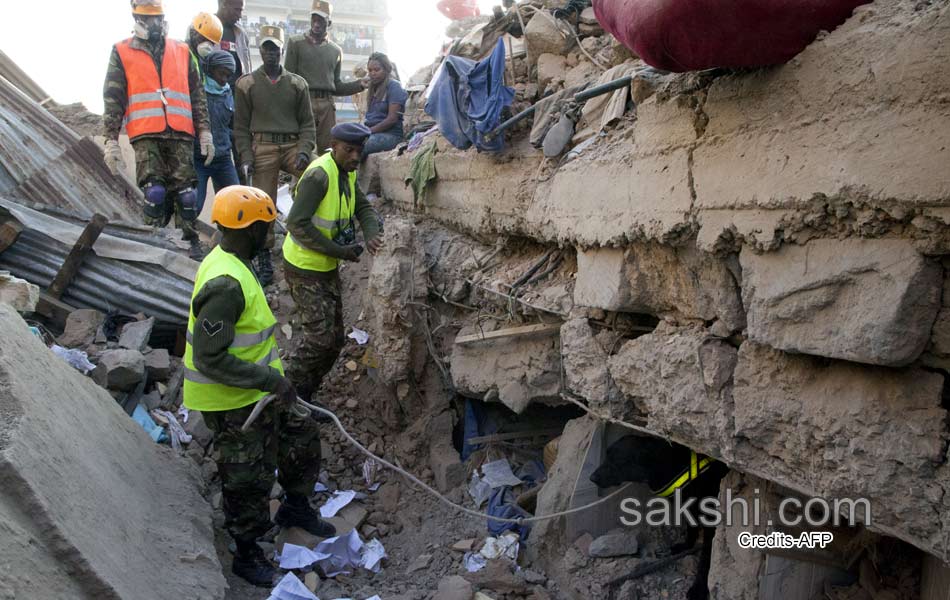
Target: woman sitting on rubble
385, 105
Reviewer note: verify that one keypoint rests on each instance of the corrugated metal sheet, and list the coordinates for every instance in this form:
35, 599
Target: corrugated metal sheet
101, 283
43, 161
12, 72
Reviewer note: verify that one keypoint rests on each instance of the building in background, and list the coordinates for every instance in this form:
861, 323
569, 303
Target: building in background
358, 28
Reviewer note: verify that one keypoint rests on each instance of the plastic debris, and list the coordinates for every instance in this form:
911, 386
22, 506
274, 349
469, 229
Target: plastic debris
78, 359
498, 473
478, 489
359, 336
370, 471
503, 546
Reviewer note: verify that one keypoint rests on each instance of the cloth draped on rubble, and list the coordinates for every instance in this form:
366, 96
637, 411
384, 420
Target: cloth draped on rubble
467, 100
690, 35
422, 171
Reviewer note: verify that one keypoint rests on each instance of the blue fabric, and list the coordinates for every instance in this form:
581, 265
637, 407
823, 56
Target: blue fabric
381, 142
467, 100
221, 114
379, 109
502, 504
477, 423
221, 172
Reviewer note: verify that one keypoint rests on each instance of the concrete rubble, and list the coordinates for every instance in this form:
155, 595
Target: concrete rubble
84, 514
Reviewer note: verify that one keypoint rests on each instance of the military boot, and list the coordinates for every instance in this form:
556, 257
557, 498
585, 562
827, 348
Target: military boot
295, 511
251, 565
264, 268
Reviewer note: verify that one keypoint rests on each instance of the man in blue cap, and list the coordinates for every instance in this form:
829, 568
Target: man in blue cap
321, 233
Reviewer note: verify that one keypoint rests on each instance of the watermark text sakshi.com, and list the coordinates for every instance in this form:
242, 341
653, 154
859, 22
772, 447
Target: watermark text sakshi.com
743, 512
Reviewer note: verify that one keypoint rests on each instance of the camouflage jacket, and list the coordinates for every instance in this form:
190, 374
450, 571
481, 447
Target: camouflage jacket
115, 94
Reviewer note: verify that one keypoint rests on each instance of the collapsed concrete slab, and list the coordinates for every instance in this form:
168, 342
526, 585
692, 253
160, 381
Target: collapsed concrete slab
841, 430
868, 301
656, 279
90, 507
515, 371
18, 293
585, 363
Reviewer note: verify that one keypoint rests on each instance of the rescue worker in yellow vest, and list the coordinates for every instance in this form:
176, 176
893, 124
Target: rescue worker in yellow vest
231, 363
153, 87
321, 233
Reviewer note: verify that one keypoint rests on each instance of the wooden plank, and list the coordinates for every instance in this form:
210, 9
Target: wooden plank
76, 256
54, 309
10, 230
515, 435
506, 333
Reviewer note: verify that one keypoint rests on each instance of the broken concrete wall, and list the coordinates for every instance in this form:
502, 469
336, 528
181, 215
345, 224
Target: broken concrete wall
514, 371
125, 521
869, 301
660, 280
851, 136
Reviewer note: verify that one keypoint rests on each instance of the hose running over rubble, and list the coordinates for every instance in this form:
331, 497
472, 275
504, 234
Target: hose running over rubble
458, 507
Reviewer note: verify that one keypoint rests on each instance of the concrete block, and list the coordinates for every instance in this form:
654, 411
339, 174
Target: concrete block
158, 364
81, 328
867, 301
544, 37
135, 335
616, 543
447, 467
197, 429
84, 499
550, 66
18, 293
120, 370
454, 587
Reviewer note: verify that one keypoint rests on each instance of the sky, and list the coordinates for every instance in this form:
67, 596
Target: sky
67, 52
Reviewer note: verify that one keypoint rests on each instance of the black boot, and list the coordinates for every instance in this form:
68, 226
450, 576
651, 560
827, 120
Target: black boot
295, 511
251, 565
264, 268
198, 251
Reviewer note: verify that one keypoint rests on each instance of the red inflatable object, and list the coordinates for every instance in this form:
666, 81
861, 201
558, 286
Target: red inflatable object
689, 35
459, 9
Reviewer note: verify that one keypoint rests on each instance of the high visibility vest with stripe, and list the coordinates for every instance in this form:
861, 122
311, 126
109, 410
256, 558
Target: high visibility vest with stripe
333, 214
254, 339
697, 465
157, 102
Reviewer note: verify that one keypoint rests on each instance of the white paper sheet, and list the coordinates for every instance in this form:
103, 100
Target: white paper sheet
299, 557
345, 553
373, 555
336, 503
291, 588
498, 473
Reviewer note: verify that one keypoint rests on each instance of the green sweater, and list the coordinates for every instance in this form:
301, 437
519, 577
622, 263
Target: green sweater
310, 192
320, 65
262, 106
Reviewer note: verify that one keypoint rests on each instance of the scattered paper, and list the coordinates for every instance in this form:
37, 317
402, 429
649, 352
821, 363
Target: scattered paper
474, 562
505, 545
288, 332
359, 336
373, 555
498, 473
284, 200
478, 490
184, 413
374, 487
345, 553
319, 487
77, 359
336, 503
291, 588
299, 557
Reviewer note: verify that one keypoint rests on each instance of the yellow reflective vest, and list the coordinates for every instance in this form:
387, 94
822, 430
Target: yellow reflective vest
697, 464
254, 339
333, 214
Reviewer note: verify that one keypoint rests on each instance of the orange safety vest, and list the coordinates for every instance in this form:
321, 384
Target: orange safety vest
157, 102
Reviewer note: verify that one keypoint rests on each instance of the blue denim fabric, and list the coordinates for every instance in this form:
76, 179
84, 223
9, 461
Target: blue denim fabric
221, 172
381, 142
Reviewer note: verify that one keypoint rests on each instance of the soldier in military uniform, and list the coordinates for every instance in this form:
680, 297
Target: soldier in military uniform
273, 126
231, 363
153, 86
321, 233
318, 60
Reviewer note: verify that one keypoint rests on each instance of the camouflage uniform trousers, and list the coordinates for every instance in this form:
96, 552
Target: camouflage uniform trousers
317, 323
278, 439
169, 162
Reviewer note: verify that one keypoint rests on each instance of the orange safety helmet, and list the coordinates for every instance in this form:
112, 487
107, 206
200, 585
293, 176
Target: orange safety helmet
147, 7
209, 26
240, 206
